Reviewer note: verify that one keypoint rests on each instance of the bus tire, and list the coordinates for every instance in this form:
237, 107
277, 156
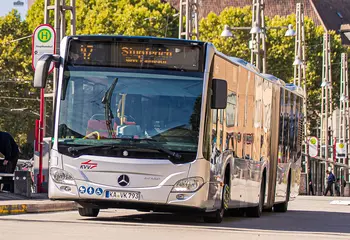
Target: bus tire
256, 211
283, 207
215, 217
88, 212
218, 215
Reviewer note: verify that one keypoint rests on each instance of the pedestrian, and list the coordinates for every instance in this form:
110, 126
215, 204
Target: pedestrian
330, 181
311, 187
9, 149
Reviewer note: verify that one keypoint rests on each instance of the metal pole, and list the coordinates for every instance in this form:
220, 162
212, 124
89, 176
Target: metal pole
58, 42
258, 41
195, 19
189, 8
300, 76
330, 102
41, 138
59, 8
257, 37
347, 112
72, 17
344, 107
252, 48
181, 19
298, 48
47, 11
326, 105
42, 114
263, 36
187, 20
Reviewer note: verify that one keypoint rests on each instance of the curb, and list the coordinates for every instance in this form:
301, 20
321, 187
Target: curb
37, 208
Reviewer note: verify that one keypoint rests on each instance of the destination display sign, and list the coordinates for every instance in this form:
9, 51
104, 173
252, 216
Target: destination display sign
136, 55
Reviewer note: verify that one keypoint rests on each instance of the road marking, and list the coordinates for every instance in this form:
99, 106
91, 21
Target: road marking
13, 209
106, 221
340, 202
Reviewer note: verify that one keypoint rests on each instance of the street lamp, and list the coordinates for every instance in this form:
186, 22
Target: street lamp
254, 44
297, 61
290, 32
227, 32
325, 84
255, 29
344, 98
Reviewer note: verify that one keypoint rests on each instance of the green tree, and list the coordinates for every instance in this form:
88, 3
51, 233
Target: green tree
211, 27
123, 17
16, 74
280, 49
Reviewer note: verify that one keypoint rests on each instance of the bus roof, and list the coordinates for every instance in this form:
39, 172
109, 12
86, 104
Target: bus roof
105, 37
242, 63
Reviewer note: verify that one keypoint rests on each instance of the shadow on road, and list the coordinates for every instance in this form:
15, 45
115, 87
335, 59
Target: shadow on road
298, 221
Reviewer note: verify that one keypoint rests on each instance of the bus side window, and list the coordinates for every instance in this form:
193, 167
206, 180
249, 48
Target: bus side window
230, 119
281, 121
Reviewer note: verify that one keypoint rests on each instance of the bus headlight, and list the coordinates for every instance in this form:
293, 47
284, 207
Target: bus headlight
61, 176
188, 184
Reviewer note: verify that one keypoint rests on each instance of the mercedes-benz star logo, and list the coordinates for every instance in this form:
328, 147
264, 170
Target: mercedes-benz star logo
123, 180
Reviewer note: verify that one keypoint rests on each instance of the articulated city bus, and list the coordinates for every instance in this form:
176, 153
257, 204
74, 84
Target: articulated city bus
170, 125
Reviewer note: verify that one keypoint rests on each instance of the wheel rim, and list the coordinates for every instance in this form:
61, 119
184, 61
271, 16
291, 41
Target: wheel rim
222, 211
261, 205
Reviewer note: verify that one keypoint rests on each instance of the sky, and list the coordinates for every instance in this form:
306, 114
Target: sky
7, 5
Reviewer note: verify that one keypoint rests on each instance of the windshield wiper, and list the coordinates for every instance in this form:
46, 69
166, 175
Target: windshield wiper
162, 149
150, 146
106, 100
77, 149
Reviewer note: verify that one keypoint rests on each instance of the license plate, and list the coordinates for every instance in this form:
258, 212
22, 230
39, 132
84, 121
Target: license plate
123, 195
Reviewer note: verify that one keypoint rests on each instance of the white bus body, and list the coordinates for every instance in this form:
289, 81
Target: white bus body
245, 155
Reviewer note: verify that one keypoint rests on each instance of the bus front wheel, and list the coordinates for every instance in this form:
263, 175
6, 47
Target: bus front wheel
218, 215
88, 212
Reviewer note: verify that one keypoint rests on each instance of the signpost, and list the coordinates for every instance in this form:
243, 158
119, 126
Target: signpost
340, 151
313, 146
43, 41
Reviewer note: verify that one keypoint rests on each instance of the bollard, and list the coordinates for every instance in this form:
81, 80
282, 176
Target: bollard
23, 182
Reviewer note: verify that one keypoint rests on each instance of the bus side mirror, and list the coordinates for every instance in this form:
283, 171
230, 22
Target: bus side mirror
42, 69
219, 97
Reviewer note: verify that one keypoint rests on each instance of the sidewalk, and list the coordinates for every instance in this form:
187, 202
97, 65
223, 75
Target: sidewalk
15, 204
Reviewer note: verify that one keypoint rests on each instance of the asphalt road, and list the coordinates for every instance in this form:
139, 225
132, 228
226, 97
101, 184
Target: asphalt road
307, 218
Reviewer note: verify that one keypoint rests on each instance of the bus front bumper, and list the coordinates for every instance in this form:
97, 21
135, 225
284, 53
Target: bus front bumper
87, 193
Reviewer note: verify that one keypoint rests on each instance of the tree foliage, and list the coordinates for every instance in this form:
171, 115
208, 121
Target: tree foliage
16, 90
153, 18
123, 17
280, 50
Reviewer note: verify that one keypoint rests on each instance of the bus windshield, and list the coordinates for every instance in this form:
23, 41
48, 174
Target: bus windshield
104, 105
